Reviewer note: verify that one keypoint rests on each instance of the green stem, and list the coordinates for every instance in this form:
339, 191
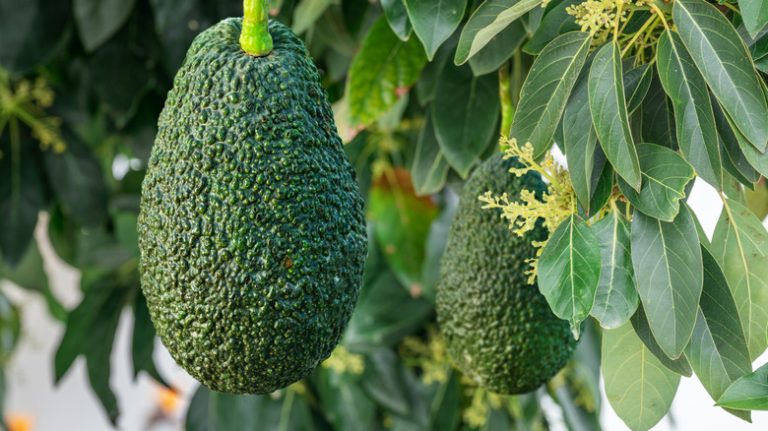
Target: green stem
254, 38
507, 110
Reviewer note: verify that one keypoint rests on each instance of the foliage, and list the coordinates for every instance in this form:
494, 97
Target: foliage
640, 95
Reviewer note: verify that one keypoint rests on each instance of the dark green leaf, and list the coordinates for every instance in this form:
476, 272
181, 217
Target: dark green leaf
384, 67
667, 261
748, 393
718, 350
658, 123
569, 271
446, 404
486, 21
734, 160
438, 236
197, 417
609, 114
384, 383
743, 263
637, 82
307, 12
556, 21
143, 341
426, 85
723, 59
638, 387
434, 21
756, 159
602, 183
643, 331
397, 17
465, 112
345, 403
430, 169
98, 20
616, 298
696, 127
31, 31
755, 15
547, 88
285, 411
665, 176
498, 50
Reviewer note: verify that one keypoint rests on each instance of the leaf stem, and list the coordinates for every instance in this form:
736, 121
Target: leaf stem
254, 37
507, 109
661, 15
641, 32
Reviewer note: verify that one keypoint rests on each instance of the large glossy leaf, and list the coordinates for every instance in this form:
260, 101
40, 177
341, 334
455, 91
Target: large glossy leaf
696, 127
609, 114
384, 67
665, 176
465, 112
755, 15
434, 21
638, 387
643, 330
488, 20
397, 17
616, 298
718, 350
749, 392
98, 20
723, 59
668, 269
569, 271
743, 263
430, 169
499, 49
546, 90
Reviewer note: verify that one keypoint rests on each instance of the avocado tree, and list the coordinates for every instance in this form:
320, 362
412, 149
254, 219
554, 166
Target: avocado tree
641, 96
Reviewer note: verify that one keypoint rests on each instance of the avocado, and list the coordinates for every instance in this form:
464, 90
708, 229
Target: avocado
252, 233
499, 330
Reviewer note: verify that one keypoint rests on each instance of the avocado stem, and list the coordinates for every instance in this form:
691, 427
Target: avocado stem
254, 37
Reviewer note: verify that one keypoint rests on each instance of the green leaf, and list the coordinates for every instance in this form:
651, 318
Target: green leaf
637, 82
638, 387
669, 274
486, 21
286, 410
746, 151
665, 176
427, 84
430, 169
723, 59
465, 112
755, 15
749, 392
307, 12
10, 330
556, 21
434, 21
30, 274
32, 32
609, 114
384, 383
98, 20
197, 417
143, 341
569, 271
743, 263
401, 223
397, 17
643, 331
734, 160
616, 298
696, 127
384, 67
344, 402
498, 50
658, 123
546, 90
718, 350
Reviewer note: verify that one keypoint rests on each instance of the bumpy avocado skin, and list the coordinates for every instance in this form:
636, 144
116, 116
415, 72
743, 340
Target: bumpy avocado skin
251, 230
499, 330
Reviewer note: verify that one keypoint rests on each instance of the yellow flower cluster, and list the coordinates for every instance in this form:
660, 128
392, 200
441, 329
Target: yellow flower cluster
430, 356
26, 103
556, 204
599, 17
343, 361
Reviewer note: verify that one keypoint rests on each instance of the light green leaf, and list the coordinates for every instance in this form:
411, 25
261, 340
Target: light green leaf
397, 17
486, 21
569, 271
723, 59
665, 176
430, 169
546, 90
718, 350
638, 387
643, 330
609, 114
307, 12
667, 261
434, 21
755, 15
749, 392
744, 266
616, 298
499, 49
384, 67
696, 127
465, 112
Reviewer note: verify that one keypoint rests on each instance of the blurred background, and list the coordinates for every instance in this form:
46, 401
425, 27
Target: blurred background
81, 85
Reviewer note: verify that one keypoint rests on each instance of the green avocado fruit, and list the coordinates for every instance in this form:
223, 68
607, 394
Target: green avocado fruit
499, 329
251, 230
